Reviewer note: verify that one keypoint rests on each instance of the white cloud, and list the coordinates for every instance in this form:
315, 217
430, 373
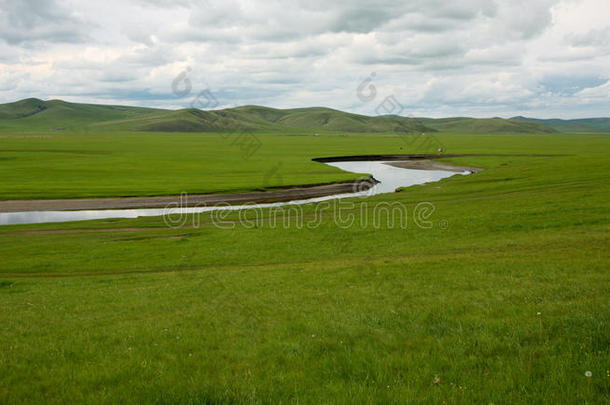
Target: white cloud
473, 57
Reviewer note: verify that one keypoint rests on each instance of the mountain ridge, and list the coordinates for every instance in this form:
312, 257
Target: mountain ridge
33, 113
598, 124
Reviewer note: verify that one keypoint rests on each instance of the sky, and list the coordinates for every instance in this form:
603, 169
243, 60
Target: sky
433, 58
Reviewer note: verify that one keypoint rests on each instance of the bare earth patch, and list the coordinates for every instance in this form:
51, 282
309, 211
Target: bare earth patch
284, 194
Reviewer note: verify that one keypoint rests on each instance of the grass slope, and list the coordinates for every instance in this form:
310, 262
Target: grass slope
22, 108
502, 300
333, 120
29, 114
188, 120
33, 113
263, 118
485, 125
37, 114
577, 125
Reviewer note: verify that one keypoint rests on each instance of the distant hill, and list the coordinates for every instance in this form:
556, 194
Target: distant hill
37, 114
577, 125
485, 125
187, 120
265, 118
22, 109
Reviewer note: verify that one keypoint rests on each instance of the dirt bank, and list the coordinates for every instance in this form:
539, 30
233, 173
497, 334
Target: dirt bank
277, 195
425, 156
427, 164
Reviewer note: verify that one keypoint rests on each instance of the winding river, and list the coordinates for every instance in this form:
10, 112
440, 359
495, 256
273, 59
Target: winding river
389, 179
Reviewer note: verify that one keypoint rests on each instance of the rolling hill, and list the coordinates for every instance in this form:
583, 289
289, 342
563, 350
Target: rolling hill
265, 118
56, 114
35, 114
577, 125
485, 125
333, 120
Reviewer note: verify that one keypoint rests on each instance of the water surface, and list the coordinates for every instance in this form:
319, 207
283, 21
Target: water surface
390, 178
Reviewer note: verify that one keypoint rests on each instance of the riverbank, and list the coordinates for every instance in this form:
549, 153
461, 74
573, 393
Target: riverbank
276, 195
279, 194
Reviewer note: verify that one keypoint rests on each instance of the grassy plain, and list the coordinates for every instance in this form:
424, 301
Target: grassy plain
502, 300
139, 164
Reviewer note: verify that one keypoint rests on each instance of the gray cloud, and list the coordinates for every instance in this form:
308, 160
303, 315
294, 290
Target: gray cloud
570, 84
470, 57
362, 20
596, 38
27, 21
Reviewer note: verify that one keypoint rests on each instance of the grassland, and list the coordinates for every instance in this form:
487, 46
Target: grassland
506, 304
134, 164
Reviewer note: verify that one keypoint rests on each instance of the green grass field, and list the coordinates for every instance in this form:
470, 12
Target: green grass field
136, 164
503, 300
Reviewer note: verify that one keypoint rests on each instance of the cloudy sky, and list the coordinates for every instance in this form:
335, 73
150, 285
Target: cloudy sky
541, 58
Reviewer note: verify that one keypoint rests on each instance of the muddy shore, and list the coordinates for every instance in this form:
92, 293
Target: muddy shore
426, 164
277, 195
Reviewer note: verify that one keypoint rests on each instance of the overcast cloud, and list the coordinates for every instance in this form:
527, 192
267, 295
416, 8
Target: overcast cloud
541, 58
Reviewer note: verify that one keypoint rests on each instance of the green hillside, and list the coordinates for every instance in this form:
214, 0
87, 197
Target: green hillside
577, 125
265, 118
188, 120
55, 114
334, 120
22, 108
35, 114
485, 125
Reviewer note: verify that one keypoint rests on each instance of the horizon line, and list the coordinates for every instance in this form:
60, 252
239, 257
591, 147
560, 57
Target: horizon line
310, 107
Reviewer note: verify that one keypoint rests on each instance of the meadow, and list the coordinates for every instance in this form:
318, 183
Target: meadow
97, 164
506, 302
